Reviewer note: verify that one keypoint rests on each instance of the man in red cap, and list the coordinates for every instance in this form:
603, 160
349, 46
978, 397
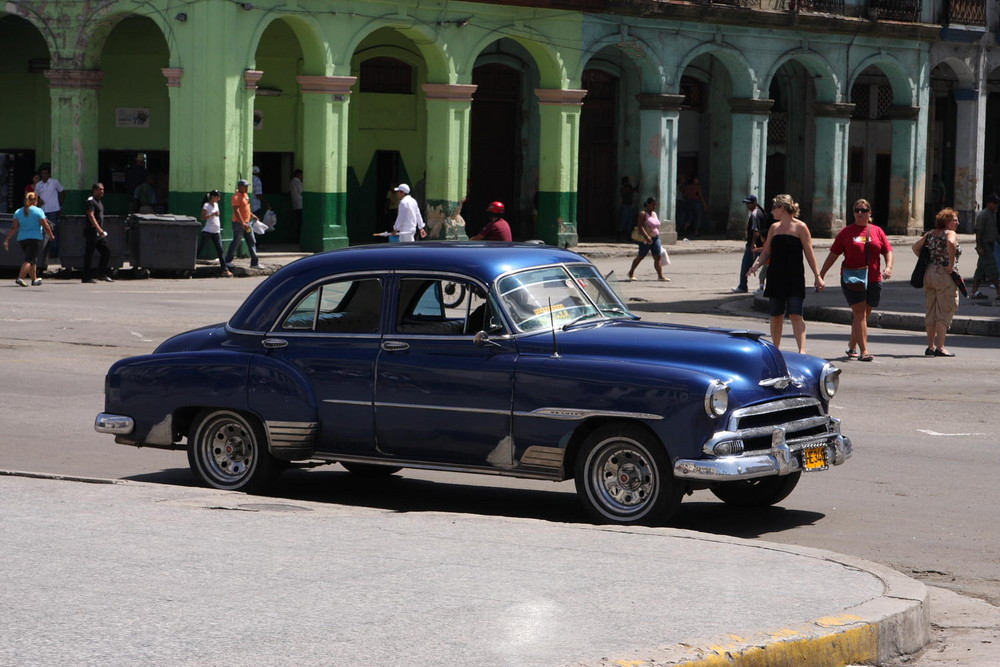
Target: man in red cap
497, 229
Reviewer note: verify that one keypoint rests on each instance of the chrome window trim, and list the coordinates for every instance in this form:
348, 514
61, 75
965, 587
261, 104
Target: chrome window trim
380, 277
579, 414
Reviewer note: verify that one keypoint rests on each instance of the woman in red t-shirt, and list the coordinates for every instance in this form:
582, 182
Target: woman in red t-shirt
863, 245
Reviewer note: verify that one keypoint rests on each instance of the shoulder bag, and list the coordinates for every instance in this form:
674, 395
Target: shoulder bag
637, 234
917, 277
856, 280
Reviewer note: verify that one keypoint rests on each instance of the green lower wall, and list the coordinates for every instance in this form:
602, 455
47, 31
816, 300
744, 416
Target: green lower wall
557, 218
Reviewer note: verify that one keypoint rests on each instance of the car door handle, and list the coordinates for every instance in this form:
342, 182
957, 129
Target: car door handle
274, 343
395, 346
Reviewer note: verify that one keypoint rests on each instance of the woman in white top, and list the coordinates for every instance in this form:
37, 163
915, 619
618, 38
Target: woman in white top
213, 230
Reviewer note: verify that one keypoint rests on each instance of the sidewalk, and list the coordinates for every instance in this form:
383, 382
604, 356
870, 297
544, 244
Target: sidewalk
118, 572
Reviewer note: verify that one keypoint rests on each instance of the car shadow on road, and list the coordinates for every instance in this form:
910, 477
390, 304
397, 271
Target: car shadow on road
399, 493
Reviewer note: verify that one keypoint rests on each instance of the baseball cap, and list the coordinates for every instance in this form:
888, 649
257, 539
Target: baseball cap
993, 199
404, 188
750, 199
242, 181
256, 169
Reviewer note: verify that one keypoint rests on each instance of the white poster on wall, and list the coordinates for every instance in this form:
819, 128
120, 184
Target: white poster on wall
132, 117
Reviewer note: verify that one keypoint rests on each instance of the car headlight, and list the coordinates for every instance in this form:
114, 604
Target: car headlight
717, 399
829, 380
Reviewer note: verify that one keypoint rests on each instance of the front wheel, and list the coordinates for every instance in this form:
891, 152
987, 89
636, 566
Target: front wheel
227, 450
623, 476
759, 492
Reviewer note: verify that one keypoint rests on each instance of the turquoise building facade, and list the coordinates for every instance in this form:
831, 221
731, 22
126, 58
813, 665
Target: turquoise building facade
542, 105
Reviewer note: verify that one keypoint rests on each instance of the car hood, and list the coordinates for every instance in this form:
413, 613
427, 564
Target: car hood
737, 356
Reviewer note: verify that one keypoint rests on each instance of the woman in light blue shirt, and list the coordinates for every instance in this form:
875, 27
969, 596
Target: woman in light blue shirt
29, 225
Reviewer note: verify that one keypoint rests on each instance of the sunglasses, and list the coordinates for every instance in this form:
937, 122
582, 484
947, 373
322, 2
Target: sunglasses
862, 210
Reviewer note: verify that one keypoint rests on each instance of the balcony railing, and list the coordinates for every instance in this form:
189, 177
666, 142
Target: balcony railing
967, 12
895, 10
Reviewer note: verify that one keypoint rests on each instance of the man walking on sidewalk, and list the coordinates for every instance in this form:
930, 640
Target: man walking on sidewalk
988, 266
755, 231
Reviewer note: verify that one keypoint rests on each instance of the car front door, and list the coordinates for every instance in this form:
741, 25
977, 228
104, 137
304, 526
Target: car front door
440, 396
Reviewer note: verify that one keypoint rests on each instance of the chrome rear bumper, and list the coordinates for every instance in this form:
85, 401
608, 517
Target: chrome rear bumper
114, 424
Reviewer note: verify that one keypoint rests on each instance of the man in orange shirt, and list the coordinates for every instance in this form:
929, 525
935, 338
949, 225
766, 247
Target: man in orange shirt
242, 225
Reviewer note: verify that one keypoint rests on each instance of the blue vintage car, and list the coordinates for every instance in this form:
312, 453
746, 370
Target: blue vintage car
504, 359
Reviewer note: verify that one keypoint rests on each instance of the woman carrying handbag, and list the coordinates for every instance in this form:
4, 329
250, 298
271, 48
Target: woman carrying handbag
647, 235
940, 286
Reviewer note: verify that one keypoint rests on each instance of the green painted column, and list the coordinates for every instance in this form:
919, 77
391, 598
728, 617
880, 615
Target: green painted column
906, 185
749, 133
448, 107
558, 164
74, 133
325, 105
833, 126
659, 119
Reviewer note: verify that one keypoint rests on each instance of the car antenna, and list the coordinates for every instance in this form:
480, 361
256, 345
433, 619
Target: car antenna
552, 322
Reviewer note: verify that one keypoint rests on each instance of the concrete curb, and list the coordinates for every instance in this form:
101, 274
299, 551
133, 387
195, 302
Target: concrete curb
872, 632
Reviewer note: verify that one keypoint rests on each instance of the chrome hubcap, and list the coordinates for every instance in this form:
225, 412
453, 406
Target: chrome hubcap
229, 447
623, 478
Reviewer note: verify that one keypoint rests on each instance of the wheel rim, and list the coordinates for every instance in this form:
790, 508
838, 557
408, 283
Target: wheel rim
227, 449
623, 478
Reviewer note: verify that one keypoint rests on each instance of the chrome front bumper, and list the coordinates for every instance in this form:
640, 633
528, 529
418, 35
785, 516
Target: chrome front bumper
113, 424
780, 459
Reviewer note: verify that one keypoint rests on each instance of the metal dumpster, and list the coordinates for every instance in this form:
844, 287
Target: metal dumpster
162, 242
14, 258
72, 243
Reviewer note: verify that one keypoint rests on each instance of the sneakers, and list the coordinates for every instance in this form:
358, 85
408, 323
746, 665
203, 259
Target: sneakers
36, 282
737, 290
21, 282
107, 279
759, 291
978, 296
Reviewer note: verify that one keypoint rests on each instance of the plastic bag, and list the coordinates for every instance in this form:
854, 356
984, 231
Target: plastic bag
259, 227
270, 219
664, 256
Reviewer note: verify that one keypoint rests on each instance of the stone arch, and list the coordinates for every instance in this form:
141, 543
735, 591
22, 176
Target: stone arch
745, 82
828, 84
547, 59
963, 72
91, 43
315, 50
42, 26
634, 50
439, 63
904, 88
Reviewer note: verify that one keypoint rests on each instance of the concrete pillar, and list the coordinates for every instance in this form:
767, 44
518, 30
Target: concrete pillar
325, 102
558, 164
74, 132
906, 186
749, 140
829, 205
970, 135
448, 107
659, 118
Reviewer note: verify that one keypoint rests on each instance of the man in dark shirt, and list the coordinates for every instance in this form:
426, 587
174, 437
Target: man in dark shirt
497, 229
94, 236
755, 229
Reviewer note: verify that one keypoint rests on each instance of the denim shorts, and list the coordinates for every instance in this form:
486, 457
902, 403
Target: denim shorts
645, 248
789, 305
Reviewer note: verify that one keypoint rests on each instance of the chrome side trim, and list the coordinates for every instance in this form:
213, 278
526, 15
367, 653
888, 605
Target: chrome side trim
346, 402
115, 424
543, 457
550, 474
447, 408
578, 414
291, 439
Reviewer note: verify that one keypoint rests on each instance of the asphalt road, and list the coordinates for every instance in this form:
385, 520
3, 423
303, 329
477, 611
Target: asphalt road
920, 495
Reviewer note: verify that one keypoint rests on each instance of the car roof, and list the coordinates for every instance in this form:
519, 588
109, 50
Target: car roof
482, 260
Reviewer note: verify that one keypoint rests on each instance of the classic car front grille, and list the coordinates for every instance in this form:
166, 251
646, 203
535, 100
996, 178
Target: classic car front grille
799, 417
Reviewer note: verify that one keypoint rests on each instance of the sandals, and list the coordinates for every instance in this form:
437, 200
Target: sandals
866, 357
851, 354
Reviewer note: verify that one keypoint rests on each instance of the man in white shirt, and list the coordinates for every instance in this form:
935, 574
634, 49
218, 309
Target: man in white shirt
408, 219
257, 201
295, 189
52, 194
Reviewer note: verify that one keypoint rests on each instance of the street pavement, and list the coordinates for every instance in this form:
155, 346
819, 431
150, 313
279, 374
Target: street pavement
123, 572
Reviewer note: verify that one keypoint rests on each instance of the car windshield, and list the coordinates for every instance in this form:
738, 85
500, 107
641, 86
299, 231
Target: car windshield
558, 296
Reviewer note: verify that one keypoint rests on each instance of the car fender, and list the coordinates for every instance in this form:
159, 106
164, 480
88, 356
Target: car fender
283, 398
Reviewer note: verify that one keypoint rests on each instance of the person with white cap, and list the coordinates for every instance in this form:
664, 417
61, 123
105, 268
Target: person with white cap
408, 219
257, 202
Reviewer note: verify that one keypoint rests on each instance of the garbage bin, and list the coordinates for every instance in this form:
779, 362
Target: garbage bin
162, 242
72, 242
14, 258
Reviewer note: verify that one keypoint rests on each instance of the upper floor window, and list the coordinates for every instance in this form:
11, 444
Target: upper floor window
386, 75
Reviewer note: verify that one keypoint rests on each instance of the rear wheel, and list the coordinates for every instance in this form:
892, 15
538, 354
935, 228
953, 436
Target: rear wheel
759, 492
370, 469
623, 476
228, 450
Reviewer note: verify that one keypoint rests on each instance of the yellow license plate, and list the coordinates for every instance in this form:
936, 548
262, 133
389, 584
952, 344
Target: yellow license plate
814, 458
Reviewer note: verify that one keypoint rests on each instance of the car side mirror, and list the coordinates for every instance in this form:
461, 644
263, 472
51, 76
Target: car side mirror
482, 338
